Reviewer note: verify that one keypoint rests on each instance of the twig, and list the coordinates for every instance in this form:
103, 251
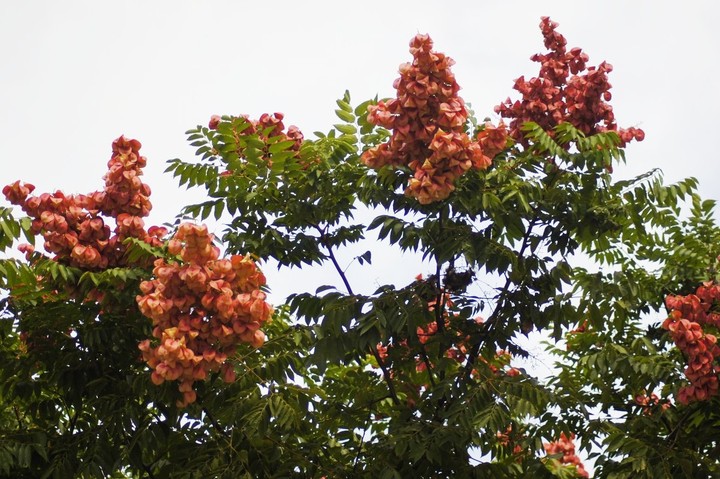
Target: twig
675, 432
497, 313
362, 441
215, 424
19, 419
373, 349
335, 263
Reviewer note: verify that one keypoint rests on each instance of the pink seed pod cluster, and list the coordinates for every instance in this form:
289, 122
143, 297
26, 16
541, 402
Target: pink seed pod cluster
565, 446
428, 120
201, 309
688, 315
566, 90
75, 227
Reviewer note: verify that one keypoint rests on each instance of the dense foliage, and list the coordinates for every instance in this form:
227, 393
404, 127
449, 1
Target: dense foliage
129, 352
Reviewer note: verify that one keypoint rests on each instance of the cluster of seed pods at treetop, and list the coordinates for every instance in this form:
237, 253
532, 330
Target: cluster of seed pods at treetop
73, 226
565, 91
565, 446
201, 310
428, 120
688, 315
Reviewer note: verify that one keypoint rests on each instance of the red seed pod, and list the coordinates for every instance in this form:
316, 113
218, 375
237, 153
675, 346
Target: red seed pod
428, 120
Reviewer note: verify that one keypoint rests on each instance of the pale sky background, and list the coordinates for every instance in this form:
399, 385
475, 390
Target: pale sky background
77, 74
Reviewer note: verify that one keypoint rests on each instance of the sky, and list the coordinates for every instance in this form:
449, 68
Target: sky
75, 75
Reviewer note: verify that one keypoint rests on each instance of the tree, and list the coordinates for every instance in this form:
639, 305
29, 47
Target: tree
134, 352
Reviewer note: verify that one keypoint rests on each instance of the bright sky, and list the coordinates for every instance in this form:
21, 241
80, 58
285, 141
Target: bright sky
77, 74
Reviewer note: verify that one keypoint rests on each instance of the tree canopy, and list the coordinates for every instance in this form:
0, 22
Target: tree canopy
152, 351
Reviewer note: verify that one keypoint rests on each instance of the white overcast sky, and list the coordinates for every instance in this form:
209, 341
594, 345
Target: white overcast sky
76, 74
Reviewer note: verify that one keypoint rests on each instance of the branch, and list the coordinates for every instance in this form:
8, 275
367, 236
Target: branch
362, 440
19, 420
335, 263
428, 366
216, 424
147, 470
673, 435
497, 313
440, 297
386, 375
129, 444
74, 418
373, 349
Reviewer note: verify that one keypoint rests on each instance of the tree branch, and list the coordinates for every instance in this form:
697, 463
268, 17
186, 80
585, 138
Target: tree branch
335, 263
497, 313
19, 420
216, 424
362, 440
373, 349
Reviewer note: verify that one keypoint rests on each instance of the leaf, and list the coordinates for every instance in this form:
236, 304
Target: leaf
345, 116
365, 257
281, 146
346, 129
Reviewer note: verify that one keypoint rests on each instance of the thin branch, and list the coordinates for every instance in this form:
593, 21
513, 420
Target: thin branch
335, 263
428, 366
19, 419
386, 375
147, 470
373, 349
675, 432
74, 418
440, 297
145, 467
497, 313
216, 424
362, 441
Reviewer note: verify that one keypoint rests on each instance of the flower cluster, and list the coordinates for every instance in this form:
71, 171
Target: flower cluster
266, 127
648, 403
566, 447
201, 310
428, 119
687, 316
565, 90
74, 226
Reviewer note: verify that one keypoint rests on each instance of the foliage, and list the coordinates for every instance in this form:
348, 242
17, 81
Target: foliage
521, 232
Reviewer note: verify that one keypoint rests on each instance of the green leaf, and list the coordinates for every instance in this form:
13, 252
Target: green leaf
345, 116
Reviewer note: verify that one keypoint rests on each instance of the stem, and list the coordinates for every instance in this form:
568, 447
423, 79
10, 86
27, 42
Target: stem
339, 270
373, 349
19, 420
675, 432
74, 418
497, 313
362, 440
148, 471
386, 375
426, 360
145, 467
215, 424
440, 297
